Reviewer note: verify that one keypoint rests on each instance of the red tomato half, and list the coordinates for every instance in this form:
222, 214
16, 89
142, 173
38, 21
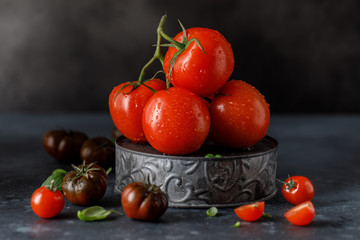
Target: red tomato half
126, 108
298, 189
47, 203
240, 115
176, 121
302, 214
199, 72
250, 212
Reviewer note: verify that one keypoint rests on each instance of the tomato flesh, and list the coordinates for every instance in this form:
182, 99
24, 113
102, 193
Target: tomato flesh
250, 212
302, 214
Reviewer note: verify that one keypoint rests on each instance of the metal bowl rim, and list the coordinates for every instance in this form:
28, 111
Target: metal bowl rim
191, 158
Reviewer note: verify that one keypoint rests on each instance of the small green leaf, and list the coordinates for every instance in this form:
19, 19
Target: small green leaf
266, 215
209, 155
94, 213
212, 211
57, 175
237, 224
218, 156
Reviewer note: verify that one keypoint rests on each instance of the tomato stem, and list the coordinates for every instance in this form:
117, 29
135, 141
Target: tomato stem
52, 186
158, 52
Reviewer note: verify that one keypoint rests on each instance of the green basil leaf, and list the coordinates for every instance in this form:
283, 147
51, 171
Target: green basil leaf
266, 215
237, 224
218, 156
212, 211
209, 155
94, 213
57, 175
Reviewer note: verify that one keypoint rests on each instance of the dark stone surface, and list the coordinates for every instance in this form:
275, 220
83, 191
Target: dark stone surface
323, 148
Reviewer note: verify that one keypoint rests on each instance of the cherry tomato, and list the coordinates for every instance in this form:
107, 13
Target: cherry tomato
199, 72
176, 121
302, 214
143, 201
250, 212
239, 114
298, 189
47, 201
126, 107
64, 145
100, 150
85, 185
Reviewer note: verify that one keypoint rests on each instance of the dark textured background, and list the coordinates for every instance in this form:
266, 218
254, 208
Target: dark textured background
304, 56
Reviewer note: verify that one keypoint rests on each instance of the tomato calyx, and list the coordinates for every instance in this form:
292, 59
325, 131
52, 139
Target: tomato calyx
180, 46
84, 170
52, 186
288, 185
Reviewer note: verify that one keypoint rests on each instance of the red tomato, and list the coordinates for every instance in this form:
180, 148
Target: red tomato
47, 202
301, 214
199, 72
143, 201
298, 189
250, 212
126, 108
176, 121
239, 114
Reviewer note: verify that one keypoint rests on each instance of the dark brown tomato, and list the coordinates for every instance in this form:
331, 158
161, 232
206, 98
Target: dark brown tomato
143, 201
98, 150
85, 185
64, 145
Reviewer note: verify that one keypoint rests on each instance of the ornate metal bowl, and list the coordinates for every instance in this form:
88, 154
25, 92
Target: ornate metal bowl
194, 181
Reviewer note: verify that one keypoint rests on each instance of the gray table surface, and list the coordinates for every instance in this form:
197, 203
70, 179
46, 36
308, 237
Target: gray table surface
325, 148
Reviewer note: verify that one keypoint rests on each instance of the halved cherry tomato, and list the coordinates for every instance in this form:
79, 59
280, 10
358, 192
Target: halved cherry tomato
302, 214
126, 107
298, 189
47, 201
250, 212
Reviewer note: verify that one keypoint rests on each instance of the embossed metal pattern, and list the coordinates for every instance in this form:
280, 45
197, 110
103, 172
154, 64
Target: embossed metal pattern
199, 182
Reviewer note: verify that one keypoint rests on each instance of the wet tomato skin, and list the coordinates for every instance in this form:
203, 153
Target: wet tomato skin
143, 201
301, 214
176, 121
250, 212
126, 108
240, 115
199, 72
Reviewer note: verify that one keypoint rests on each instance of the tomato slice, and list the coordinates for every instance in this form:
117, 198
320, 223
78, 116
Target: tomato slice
250, 212
301, 214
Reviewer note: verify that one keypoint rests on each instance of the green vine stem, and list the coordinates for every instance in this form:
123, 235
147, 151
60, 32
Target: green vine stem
158, 52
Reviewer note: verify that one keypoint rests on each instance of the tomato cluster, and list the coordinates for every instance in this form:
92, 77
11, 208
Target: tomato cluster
173, 117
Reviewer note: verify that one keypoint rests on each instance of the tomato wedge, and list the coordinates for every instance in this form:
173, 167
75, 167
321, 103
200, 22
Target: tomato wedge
301, 214
250, 212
